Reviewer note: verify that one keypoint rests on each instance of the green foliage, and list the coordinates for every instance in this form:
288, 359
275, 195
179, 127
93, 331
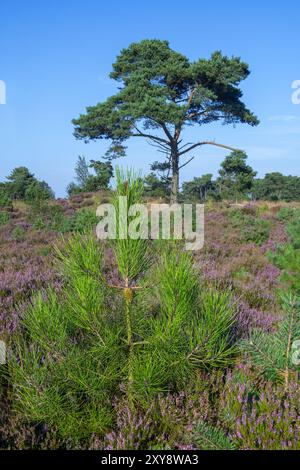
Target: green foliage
88, 182
257, 233
210, 438
45, 215
161, 93
4, 218
162, 73
5, 198
252, 229
71, 352
142, 336
38, 191
200, 188
104, 172
23, 185
236, 177
73, 189
155, 186
82, 171
185, 332
131, 255
166, 359
84, 220
277, 187
211, 335
293, 230
287, 256
237, 181
19, 180
273, 354
18, 234
286, 214
158, 182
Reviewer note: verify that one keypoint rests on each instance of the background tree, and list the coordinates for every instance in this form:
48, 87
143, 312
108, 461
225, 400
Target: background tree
39, 191
73, 189
22, 184
276, 186
82, 171
236, 177
5, 198
155, 186
199, 188
87, 182
161, 93
18, 182
104, 172
158, 182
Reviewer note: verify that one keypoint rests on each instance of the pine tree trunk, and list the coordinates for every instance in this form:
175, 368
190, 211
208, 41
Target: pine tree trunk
175, 175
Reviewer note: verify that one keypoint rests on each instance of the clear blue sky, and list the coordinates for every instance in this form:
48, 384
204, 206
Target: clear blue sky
56, 55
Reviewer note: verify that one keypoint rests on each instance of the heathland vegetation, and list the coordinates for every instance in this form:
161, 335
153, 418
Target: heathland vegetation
135, 344
138, 344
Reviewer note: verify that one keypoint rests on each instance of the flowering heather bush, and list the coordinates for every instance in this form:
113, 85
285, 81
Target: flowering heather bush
249, 318
133, 430
230, 262
268, 419
24, 269
278, 236
16, 288
166, 424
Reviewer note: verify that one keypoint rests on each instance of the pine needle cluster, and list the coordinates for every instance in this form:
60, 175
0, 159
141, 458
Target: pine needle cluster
275, 355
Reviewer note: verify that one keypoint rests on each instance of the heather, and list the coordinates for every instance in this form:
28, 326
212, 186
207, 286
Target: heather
260, 416
116, 363
25, 268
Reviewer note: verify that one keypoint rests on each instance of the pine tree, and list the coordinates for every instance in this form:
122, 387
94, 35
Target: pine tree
273, 355
161, 93
139, 336
207, 437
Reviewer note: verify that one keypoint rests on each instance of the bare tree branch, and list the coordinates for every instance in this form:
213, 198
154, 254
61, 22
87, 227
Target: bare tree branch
207, 143
185, 145
186, 163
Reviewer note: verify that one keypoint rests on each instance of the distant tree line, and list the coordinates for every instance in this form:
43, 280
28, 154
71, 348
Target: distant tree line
236, 181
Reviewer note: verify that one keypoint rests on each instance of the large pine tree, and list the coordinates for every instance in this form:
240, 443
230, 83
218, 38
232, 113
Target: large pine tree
161, 92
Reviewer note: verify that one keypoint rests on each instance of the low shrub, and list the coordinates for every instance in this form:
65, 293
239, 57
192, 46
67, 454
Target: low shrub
18, 233
285, 214
4, 218
252, 229
5, 200
84, 220
260, 417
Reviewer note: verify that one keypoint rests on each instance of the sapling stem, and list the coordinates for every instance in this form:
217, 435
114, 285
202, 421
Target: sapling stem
128, 296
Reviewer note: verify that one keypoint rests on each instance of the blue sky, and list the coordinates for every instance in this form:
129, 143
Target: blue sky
55, 58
